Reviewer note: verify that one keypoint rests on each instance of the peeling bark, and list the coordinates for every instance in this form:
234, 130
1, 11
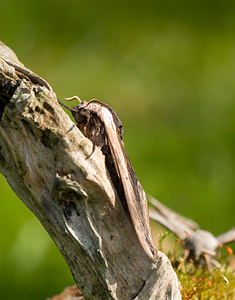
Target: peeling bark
47, 161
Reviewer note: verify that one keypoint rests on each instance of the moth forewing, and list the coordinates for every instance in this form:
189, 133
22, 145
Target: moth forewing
134, 193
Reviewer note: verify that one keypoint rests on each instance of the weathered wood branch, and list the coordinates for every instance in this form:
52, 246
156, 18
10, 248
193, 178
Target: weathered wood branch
53, 169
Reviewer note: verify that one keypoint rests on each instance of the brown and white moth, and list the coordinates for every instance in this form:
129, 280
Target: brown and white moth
102, 126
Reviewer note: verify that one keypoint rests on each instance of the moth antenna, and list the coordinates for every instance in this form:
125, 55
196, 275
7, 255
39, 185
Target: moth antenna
66, 106
74, 97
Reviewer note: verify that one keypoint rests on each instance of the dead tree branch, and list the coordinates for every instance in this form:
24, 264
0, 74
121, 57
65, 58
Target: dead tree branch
62, 178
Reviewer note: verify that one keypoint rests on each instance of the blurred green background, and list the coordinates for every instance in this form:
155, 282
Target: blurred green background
167, 68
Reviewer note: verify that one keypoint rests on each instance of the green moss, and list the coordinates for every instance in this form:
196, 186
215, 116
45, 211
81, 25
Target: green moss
200, 283
197, 282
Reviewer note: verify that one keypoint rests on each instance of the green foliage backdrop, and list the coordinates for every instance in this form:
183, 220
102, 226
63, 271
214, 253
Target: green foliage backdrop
167, 68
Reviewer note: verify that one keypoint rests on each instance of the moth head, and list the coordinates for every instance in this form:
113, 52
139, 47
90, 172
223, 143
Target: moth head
77, 111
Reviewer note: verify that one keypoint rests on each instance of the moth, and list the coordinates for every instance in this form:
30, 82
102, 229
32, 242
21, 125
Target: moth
201, 245
98, 122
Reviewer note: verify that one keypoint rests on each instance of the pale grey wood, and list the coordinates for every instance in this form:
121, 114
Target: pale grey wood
52, 168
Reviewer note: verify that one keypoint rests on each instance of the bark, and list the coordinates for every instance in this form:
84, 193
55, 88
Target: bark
55, 171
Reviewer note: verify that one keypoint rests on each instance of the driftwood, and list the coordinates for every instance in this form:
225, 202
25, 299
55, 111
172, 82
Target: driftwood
199, 245
63, 179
